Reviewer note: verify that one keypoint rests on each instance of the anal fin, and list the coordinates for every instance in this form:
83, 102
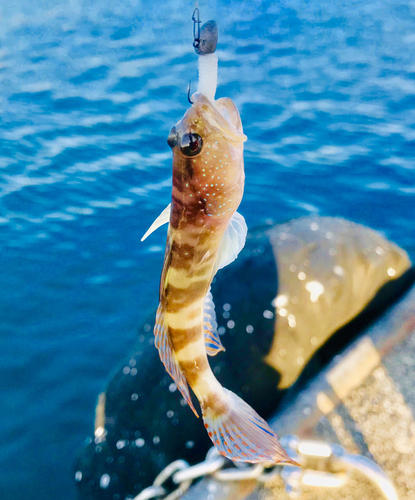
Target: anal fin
168, 357
240, 434
213, 343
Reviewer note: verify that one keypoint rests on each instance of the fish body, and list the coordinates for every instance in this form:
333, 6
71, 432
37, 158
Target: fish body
207, 190
206, 233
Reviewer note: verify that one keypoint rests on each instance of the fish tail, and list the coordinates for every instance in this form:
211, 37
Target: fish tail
239, 433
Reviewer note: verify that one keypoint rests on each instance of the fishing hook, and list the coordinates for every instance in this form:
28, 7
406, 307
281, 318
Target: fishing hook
188, 92
196, 28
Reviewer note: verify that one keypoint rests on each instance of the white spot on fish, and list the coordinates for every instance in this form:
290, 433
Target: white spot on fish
302, 276
314, 226
268, 314
249, 329
170, 414
391, 271
291, 321
230, 324
226, 307
156, 440
172, 387
134, 396
132, 362
126, 370
282, 312
121, 444
190, 444
140, 442
78, 476
133, 372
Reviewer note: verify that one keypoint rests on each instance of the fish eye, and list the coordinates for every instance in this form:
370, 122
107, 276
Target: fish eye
191, 144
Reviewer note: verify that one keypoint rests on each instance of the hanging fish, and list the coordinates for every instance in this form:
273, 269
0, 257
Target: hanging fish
205, 234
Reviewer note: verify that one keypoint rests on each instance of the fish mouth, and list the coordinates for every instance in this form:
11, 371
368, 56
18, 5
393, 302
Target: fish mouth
223, 115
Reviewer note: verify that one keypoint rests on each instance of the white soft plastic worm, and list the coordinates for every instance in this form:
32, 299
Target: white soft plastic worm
208, 75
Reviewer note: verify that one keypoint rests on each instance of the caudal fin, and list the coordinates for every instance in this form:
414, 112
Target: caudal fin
240, 434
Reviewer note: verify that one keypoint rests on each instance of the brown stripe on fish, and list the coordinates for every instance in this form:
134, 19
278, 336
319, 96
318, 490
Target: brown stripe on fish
183, 252
188, 316
196, 242
177, 298
215, 401
190, 210
181, 337
192, 198
189, 214
188, 169
200, 265
178, 201
195, 368
183, 172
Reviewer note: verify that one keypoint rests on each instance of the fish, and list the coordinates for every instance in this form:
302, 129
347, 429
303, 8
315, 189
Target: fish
205, 234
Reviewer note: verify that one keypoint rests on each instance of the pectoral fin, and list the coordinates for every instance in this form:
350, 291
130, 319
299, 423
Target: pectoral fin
212, 340
232, 242
168, 357
163, 218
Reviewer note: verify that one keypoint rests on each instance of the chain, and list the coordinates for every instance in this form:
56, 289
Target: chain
322, 464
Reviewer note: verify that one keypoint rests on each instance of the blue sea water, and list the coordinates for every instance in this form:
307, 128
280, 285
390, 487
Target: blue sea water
88, 93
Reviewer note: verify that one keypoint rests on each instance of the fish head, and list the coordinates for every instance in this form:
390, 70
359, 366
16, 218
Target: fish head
208, 167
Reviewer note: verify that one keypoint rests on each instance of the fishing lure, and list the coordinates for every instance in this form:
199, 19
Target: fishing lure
205, 234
